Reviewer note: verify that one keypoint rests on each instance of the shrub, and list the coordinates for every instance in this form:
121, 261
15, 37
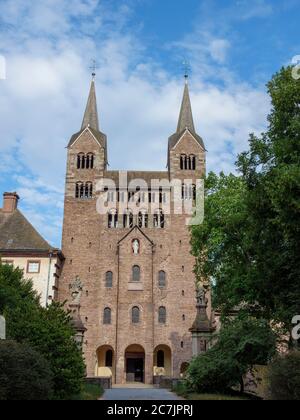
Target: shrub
24, 373
285, 377
242, 343
46, 330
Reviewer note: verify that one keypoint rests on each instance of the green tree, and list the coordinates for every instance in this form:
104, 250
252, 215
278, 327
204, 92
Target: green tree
249, 242
24, 373
47, 330
242, 343
285, 377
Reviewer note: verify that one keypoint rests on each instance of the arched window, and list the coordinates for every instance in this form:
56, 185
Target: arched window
143, 220
159, 219
183, 162
80, 161
128, 219
107, 316
88, 190
113, 219
89, 161
162, 315
194, 192
109, 280
78, 189
160, 359
193, 162
136, 273
162, 279
135, 315
109, 358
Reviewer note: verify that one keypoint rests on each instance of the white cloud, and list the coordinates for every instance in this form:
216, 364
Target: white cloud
43, 99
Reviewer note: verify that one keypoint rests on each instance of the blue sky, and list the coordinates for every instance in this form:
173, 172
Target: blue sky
233, 48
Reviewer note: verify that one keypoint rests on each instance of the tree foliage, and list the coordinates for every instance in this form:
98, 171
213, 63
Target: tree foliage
24, 373
242, 343
47, 330
249, 243
285, 377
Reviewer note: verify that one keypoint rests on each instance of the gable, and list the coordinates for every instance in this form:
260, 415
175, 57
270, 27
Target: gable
94, 135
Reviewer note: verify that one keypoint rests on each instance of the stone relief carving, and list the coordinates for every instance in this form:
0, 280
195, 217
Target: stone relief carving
76, 290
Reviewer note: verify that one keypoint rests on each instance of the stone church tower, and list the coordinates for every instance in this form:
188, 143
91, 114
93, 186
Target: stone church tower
128, 276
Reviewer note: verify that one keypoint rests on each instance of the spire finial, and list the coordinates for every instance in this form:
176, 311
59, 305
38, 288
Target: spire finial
93, 67
187, 69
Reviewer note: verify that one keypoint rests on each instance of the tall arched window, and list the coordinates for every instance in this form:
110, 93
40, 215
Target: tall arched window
89, 161
107, 316
183, 162
136, 273
135, 315
160, 359
109, 280
159, 219
162, 315
162, 279
113, 219
143, 219
109, 358
80, 161
88, 190
192, 162
78, 190
128, 219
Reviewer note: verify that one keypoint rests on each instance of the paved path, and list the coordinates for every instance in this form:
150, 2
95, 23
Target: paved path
141, 394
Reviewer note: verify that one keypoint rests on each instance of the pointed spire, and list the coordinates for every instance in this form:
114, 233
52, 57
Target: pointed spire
91, 113
186, 115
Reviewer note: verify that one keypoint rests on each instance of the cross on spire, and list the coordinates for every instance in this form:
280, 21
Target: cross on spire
186, 68
93, 67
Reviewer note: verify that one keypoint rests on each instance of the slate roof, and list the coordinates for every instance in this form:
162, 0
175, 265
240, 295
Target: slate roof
90, 118
16, 233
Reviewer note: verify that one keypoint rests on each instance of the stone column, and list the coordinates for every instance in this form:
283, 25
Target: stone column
202, 329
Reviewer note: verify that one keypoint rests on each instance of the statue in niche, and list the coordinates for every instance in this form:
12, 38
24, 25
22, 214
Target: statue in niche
76, 290
136, 246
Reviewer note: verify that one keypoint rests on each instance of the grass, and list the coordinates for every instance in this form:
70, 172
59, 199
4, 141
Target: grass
90, 392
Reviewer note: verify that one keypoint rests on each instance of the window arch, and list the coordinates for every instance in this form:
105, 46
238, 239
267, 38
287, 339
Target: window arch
192, 162
89, 161
84, 190
80, 161
143, 219
162, 279
109, 358
136, 273
159, 219
160, 359
128, 219
88, 190
135, 315
162, 315
107, 316
113, 219
183, 162
109, 280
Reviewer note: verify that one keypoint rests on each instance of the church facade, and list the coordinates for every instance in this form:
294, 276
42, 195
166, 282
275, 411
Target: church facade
129, 275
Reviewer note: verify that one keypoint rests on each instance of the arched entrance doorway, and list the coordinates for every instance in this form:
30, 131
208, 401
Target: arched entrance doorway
162, 361
105, 366
135, 363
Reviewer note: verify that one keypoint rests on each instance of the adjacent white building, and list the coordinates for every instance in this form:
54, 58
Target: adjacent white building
22, 246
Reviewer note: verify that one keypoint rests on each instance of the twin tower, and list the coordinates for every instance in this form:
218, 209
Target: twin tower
129, 276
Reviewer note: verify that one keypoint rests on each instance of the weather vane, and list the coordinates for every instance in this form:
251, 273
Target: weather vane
93, 67
186, 68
